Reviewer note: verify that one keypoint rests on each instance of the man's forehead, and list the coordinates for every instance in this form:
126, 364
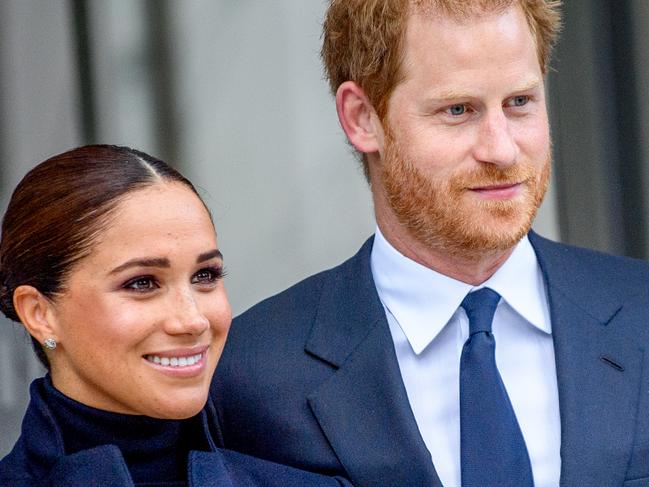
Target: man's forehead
459, 10
465, 14
494, 40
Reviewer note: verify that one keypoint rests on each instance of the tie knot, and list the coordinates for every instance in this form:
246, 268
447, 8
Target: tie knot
480, 307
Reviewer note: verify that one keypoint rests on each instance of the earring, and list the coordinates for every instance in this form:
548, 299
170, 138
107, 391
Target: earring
50, 343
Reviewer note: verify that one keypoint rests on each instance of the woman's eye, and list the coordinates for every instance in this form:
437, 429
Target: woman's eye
456, 110
141, 284
207, 276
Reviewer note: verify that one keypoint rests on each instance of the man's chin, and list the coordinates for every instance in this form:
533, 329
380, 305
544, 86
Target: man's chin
474, 240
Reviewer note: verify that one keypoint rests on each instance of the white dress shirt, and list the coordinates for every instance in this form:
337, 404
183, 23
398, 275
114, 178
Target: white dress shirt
429, 330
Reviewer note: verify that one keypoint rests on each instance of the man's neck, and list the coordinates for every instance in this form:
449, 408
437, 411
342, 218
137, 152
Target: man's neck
473, 269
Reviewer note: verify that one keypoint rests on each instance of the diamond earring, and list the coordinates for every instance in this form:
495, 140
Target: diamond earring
50, 343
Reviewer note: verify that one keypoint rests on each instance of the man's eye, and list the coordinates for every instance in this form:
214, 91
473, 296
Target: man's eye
519, 101
456, 110
141, 284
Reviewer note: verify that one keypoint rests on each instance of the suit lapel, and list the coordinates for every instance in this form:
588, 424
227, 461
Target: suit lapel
363, 409
599, 369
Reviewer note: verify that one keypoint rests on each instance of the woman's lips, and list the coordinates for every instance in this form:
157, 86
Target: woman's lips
186, 362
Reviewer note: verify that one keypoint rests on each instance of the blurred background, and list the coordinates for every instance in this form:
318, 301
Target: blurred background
231, 92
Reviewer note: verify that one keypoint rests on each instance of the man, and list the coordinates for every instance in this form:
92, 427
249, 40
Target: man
373, 369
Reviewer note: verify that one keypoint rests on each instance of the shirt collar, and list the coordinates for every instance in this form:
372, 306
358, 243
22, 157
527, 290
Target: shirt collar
423, 301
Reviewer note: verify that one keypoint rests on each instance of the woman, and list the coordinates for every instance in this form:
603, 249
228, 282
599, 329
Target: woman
109, 259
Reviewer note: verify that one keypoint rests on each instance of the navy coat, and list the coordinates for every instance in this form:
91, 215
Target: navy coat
310, 377
38, 459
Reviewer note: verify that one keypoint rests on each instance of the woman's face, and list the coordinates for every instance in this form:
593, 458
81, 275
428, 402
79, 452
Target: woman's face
142, 320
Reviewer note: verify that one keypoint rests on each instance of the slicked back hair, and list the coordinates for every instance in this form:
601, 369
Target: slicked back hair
60, 207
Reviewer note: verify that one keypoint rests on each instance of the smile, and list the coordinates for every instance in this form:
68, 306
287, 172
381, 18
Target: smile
175, 361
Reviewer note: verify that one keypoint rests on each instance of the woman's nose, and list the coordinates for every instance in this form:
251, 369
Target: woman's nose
185, 315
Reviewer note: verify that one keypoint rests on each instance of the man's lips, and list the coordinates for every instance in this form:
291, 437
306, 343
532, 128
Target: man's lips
498, 191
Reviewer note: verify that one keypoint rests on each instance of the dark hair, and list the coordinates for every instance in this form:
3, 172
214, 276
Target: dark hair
57, 210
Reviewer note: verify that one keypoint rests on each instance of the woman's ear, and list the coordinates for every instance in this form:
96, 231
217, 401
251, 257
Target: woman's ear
35, 312
358, 118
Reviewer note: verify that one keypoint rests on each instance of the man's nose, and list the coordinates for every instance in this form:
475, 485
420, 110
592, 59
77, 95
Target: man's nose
495, 142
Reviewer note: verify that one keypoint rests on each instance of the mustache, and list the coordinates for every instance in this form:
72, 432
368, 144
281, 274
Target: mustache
492, 175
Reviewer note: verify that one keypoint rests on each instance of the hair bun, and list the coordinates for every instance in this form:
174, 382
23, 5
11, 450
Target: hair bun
6, 299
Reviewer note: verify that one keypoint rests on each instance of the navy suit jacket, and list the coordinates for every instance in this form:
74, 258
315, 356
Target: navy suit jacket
310, 377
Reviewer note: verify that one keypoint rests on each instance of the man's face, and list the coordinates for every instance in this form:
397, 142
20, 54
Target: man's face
466, 154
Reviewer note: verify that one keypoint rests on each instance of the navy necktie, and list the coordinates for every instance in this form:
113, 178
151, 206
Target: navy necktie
493, 451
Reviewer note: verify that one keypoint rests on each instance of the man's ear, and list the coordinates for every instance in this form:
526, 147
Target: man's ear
358, 118
35, 313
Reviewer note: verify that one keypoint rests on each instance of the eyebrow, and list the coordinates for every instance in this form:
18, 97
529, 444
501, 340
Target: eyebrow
162, 262
455, 94
209, 255
153, 262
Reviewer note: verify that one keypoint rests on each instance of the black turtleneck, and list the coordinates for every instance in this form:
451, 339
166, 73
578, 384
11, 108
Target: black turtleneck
155, 450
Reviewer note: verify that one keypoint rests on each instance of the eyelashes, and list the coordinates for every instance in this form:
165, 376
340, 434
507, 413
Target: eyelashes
205, 277
208, 275
141, 284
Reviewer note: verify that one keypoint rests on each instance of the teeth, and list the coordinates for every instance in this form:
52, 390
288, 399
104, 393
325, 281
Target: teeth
175, 361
